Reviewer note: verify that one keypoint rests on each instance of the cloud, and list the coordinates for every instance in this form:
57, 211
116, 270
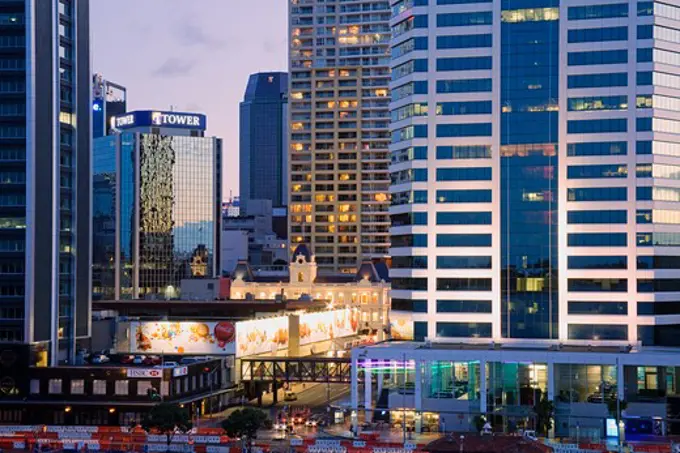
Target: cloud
174, 67
192, 34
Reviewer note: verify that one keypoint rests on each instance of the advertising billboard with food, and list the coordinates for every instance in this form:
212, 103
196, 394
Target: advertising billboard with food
261, 336
327, 325
401, 327
214, 337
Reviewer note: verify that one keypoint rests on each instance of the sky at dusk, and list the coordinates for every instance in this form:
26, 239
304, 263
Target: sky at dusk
194, 55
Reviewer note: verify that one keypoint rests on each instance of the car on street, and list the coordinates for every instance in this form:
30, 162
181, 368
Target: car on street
139, 359
100, 358
289, 396
127, 359
151, 360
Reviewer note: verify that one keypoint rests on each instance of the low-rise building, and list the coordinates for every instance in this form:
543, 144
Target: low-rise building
368, 290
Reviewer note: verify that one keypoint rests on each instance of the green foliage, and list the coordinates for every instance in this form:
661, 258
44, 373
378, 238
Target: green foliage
479, 422
612, 406
245, 423
167, 418
544, 411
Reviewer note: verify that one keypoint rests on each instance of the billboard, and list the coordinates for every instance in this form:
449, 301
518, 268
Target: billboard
243, 338
327, 325
214, 337
261, 336
401, 326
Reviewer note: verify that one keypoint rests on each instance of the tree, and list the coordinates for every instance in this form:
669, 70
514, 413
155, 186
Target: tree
479, 422
245, 423
544, 411
168, 419
612, 406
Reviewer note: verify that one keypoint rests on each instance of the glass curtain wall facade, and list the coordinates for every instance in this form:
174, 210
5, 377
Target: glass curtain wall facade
44, 162
263, 138
156, 215
533, 162
339, 130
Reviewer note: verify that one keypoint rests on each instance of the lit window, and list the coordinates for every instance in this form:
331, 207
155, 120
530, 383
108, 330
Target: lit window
77, 387
55, 386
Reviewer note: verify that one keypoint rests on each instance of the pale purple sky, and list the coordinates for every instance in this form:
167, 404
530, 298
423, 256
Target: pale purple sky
194, 55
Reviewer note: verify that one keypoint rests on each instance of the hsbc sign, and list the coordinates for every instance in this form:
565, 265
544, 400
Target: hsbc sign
145, 373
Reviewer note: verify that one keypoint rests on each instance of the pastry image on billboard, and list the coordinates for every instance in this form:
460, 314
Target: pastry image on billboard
328, 325
183, 337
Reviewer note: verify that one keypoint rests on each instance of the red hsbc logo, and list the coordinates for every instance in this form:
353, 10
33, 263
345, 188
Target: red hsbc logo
144, 373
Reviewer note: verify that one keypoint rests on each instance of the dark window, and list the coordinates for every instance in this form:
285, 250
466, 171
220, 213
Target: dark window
617, 79
596, 239
658, 308
413, 305
464, 329
597, 194
598, 34
409, 218
419, 330
597, 332
597, 284
597, 171
463, 306
464, 130
464, 41
463, 218
597, 149
464, 196
597, 126
408, 283
597, 262
463, 240
598, 11
597, 57
600, 216
463, 63
409, 240
598, 308
464, 284
659, 285
463, 262
409, 262
464, 108
464, 151
464, 174
464, 19
464, 86
658, 262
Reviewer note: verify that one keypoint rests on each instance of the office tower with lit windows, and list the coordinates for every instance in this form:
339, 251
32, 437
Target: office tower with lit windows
157, 205
535, 167
339, 137
45, 142
108, 100
263, 138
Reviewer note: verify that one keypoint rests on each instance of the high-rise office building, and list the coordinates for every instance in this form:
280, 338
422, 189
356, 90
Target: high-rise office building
339, 137
157, 205
263, 139
535, 167
45, 145
108, 100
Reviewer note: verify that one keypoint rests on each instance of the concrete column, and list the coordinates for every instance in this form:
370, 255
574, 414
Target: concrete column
418, 422
354, 387
482, 386
368, 400
551, 381
418, 395
620, 381
380, 376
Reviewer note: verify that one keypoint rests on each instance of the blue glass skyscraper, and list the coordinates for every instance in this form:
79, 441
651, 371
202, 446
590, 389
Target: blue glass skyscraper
157, 205
45, 145
263, 138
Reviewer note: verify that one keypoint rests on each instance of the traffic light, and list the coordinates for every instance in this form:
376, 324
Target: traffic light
153, 394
